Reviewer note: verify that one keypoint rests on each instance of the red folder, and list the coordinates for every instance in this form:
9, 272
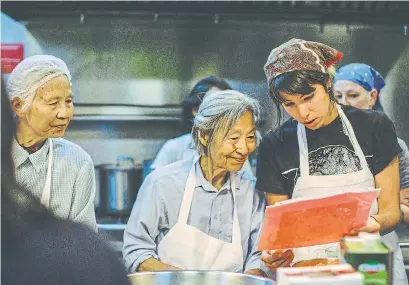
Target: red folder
305, 222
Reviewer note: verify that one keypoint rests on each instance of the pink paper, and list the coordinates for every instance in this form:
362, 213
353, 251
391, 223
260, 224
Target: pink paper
315, 221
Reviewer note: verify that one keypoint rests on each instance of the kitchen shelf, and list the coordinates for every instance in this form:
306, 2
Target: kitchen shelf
126, 113
123, 118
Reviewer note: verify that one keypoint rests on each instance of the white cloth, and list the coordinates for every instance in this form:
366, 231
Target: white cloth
188, 248
45, 196
34, 72
326, 185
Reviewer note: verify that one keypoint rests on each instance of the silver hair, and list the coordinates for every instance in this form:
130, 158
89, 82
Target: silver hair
219, 112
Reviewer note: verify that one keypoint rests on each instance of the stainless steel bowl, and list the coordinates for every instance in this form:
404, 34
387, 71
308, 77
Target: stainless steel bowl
196, 278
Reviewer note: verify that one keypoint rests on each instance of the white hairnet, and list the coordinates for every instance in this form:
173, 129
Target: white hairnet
32, 73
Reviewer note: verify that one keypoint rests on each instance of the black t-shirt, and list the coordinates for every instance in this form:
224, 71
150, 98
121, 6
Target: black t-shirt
330, 150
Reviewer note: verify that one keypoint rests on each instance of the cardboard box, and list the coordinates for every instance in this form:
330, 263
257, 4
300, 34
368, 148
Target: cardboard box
342, 274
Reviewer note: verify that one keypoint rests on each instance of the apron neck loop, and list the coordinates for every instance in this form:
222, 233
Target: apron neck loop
188, 197
45, 196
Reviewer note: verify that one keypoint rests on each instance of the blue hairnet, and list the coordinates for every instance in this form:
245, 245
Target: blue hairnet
361, 74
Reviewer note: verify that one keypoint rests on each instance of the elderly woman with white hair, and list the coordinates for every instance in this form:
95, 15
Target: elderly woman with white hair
202, 213
57, 171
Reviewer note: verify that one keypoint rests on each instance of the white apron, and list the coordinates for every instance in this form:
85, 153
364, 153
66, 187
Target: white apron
326, 185
188, 248
45, 196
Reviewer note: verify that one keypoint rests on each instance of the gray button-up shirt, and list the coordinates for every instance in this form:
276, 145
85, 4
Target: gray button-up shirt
157, 206
72, 179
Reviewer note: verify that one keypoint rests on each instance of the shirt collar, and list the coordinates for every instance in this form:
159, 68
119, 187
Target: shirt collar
37, 159
201, 181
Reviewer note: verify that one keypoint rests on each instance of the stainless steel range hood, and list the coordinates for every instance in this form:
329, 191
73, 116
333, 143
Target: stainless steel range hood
136, 99
125, 113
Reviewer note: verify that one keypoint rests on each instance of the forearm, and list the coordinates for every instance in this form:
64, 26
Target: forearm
388, 220
152, 264
253, 262
271, 199
388, 201
405, 212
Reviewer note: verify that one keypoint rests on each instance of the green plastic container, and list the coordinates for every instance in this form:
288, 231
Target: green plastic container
368, 255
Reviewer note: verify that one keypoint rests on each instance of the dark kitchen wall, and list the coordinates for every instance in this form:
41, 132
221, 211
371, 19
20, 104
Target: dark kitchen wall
116, 58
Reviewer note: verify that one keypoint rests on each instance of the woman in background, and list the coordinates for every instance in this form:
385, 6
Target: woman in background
359, 85
182, 147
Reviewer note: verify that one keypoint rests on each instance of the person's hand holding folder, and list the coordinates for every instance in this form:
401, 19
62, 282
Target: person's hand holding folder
372, 226
277, 258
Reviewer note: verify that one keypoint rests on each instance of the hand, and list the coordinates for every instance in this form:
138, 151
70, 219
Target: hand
277, 258
256, 272
152, 264
372, 226
173, 268
404, 196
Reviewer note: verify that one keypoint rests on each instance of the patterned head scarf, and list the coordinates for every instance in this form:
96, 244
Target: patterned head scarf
361, 74
300, 55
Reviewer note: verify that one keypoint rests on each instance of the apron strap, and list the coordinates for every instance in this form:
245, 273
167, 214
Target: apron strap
303, 149
188, 194
188, 197
236, 235
352, 137
45, 196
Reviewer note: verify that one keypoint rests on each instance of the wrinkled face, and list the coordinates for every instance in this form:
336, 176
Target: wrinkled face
311, 110
51, 109
349, 93
231, 152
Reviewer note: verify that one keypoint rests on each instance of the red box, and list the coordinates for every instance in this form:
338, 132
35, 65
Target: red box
11, 55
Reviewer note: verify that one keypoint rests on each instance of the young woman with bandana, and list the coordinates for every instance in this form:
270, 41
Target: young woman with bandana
324, 148
359, 85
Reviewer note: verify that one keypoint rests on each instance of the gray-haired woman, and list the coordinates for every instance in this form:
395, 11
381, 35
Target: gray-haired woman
202, 214
57, 171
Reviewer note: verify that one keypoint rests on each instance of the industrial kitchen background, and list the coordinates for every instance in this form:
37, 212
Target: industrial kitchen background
133, 63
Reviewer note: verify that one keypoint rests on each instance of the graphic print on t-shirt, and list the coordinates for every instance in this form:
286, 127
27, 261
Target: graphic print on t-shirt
333, 160
329, 160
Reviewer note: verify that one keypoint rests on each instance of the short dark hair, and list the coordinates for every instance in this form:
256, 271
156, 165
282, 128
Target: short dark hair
195, 98
297, 82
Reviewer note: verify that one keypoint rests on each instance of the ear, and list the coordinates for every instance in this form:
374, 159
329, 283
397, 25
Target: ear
17, 106
329, 84
373, 97
204, 139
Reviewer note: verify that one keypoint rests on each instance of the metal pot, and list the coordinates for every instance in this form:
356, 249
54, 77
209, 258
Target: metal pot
97, 199
196, 278
119, 184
